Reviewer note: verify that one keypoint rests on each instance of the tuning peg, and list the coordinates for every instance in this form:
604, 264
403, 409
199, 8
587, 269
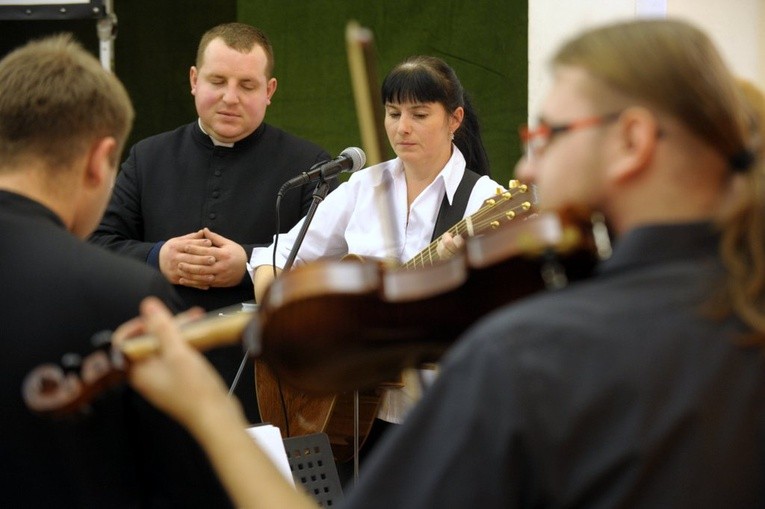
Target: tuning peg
102, 339
71, 363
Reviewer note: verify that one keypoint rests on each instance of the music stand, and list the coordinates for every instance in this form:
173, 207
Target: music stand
313, 466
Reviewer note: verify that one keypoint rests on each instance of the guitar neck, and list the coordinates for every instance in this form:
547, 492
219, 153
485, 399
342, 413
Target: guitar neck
503, 207
209, 332
429, 255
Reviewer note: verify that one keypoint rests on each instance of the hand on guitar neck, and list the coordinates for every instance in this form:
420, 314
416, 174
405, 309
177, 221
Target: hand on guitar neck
449, 245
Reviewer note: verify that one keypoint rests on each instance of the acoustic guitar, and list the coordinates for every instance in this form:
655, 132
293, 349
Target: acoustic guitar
297, 413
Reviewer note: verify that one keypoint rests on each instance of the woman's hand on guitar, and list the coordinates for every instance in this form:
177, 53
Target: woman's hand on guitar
177, 379
449, 245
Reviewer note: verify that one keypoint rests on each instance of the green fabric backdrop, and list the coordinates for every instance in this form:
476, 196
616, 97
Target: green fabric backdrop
485, 42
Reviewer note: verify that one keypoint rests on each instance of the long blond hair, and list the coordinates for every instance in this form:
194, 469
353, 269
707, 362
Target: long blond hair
674, 67
743, 225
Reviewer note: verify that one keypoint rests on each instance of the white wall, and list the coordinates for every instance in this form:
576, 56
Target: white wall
551, 22
736, 26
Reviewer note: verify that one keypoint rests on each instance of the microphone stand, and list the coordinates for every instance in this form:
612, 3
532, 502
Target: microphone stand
322, 188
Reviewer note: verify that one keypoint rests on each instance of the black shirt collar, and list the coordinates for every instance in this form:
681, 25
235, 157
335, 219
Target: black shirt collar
647, 245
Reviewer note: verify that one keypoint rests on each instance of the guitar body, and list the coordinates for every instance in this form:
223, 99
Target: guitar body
298, 413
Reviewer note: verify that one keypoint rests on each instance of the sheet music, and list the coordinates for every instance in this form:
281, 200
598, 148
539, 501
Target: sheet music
269, 438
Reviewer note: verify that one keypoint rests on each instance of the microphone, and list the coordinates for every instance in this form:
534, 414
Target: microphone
350, 160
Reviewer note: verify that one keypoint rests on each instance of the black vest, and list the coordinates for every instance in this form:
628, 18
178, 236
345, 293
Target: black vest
449, 215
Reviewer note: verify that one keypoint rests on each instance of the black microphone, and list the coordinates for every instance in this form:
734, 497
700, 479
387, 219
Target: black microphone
350, 160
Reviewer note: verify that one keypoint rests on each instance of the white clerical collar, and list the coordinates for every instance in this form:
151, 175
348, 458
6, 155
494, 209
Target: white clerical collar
217, 143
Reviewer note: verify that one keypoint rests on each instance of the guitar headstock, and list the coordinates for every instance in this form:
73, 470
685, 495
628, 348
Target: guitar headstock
518, 200
62, 389
55, 390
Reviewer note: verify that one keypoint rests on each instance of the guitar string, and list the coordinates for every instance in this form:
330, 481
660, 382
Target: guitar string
419, 259
479, 221
479, 218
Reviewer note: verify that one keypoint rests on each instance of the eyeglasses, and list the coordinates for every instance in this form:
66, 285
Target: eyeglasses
535, 140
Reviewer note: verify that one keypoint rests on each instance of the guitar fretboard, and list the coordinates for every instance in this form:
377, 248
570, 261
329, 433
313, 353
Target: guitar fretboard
505, 206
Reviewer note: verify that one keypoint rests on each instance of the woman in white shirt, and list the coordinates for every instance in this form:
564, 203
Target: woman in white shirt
435, 134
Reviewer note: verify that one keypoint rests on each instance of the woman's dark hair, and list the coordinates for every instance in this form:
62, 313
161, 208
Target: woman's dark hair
422, 79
